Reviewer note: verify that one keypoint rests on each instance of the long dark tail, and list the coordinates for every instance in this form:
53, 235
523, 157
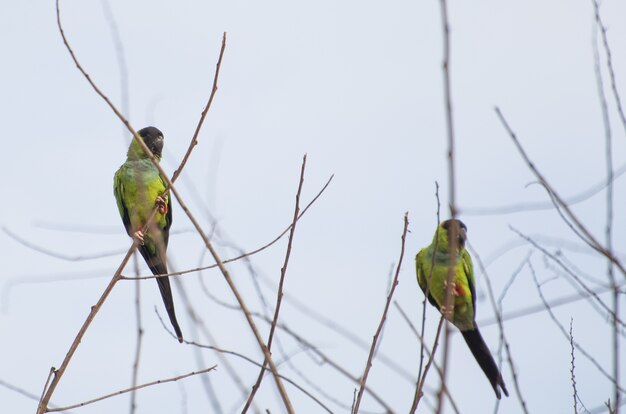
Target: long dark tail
158, 267
480, 351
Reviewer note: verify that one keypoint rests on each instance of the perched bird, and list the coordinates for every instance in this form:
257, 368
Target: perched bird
432, 263
138, 187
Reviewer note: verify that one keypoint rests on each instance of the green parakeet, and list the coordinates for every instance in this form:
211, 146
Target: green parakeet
138, 187
433, 262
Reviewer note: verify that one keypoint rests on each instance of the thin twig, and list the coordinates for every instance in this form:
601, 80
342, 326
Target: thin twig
62, 256
423, 345
609, 65
507, 347
416, 396
194, 139
573, 377
124, 391
572, 274
243, 255
370, 357
588, 237
245, 358
21, 391
448, 301
540, 206
43, 403
554, 303
606, 121
564, 332
419, 393
135, 375
428, 282
279, 295
326, 360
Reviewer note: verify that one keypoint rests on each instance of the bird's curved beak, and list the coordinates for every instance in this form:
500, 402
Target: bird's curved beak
462, 237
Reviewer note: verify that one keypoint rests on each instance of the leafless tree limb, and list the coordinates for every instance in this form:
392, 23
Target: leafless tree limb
587, 236
370, 358
430, 358
564, 332
279, 295
507, 347
58, 373
243, 255
124, 391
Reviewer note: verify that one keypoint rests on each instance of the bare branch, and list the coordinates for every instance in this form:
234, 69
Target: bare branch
573, 377
244, 255
370, 357
564, 332
279, 295
507, 347
588, 237
48, 391
124, 391
430, 358
62, 256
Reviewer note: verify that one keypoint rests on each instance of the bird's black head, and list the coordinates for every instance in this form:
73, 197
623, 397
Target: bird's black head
460, 229
153, 139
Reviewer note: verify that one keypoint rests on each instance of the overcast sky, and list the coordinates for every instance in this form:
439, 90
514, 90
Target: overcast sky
357, 85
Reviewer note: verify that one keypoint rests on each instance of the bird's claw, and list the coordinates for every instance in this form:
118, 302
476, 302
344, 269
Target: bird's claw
162, 205
138, 236
453, 286
447, 312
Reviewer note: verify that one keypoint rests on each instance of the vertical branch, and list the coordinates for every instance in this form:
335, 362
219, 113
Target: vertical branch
609, 183
57, 374
571, 342
577, 226
194, 139
452, 237
430, 354
279, 295
121, 61
370, 357
507, 348
428, 281
421, 381
609, 64
133, 394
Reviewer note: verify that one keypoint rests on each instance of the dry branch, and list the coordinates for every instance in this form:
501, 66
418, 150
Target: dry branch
124, 391
58, 373
279, 295
370, 357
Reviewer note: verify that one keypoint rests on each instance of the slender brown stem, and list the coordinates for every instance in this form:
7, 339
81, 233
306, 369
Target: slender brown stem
133, 395
563, 331
586, 235
383, 319
194, 139
253, 362
325, 359
417, 396
419, 393
507, 347
430, 358
58, 374
609, 183
138, 387
452, 233
279, 295
241, 256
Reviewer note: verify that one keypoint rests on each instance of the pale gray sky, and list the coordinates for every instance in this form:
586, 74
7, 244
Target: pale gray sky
358, 86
